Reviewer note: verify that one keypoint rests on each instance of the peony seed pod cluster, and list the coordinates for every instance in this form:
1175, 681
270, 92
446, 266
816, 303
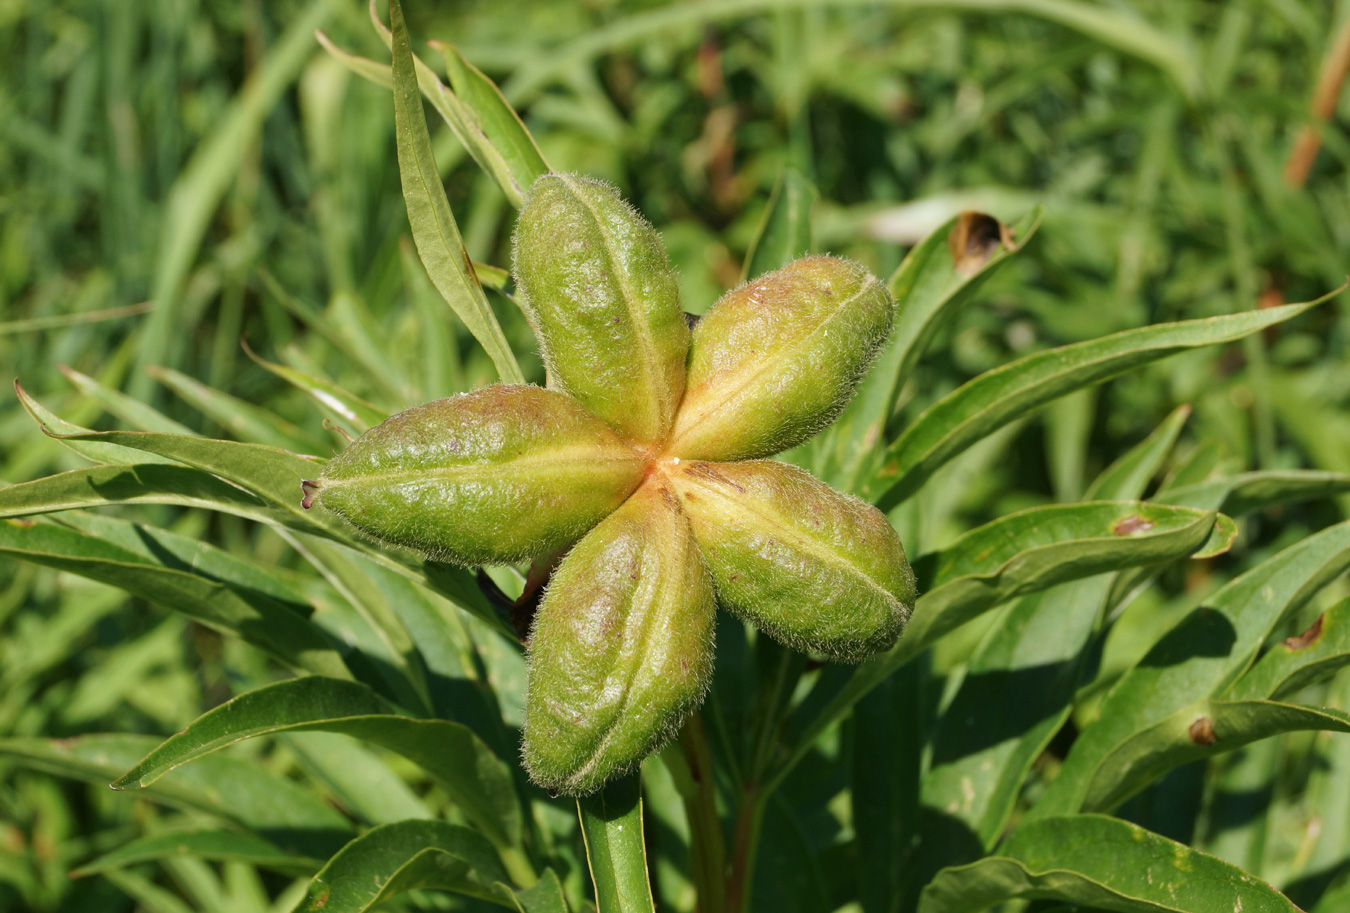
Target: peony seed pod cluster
644, 465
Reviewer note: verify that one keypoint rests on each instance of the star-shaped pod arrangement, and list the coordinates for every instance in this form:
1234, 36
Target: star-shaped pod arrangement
644, 464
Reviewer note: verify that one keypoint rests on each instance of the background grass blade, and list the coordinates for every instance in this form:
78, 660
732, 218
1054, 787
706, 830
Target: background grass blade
345, 407
241, 419
231, 789
214, 165
785, 230
221, 845
1114, 28
258, 618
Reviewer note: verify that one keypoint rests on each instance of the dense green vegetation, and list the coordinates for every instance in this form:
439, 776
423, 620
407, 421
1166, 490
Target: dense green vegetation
205, 236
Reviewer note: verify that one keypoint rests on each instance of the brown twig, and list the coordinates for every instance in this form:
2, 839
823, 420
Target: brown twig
1334, 70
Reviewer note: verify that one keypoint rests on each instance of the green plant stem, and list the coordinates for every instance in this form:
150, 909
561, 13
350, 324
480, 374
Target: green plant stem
1244, 281
707, 842
611, 826
786, 666
745, 845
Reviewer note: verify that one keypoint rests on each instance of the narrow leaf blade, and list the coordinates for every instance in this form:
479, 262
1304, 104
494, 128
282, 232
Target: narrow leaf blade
1097, 862
395, 858
997, 397
433, 225
499, 123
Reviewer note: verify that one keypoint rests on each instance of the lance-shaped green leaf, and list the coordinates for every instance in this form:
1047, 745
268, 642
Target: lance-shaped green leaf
815, 569
1299, 661
404, 856
928, 292
464, 767
1203, 729
601, 294
1018, 687
272, 474
622, 647
1029, 551
1239, 494
1013, 556
215, 844
233, 789
1102, 863
53, 424
774, 361
544, 896
1248, 492
785, 230
433, 224
496, 475
611, 825
489, 114
380, 74
997, 397
147, 483
342, 405
940, 276
487, 126
1200, 657
169, 580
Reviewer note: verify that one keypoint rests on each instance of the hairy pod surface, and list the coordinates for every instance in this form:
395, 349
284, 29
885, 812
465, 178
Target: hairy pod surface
604, 302
496, 475
816, 569
774, 361
622, 647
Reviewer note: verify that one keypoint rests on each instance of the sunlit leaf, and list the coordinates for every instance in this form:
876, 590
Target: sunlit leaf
1100, 862
462, 764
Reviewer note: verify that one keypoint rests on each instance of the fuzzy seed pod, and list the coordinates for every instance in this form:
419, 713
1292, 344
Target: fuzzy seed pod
774, 361
622, 647
816, 569
595, 280
496, 475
